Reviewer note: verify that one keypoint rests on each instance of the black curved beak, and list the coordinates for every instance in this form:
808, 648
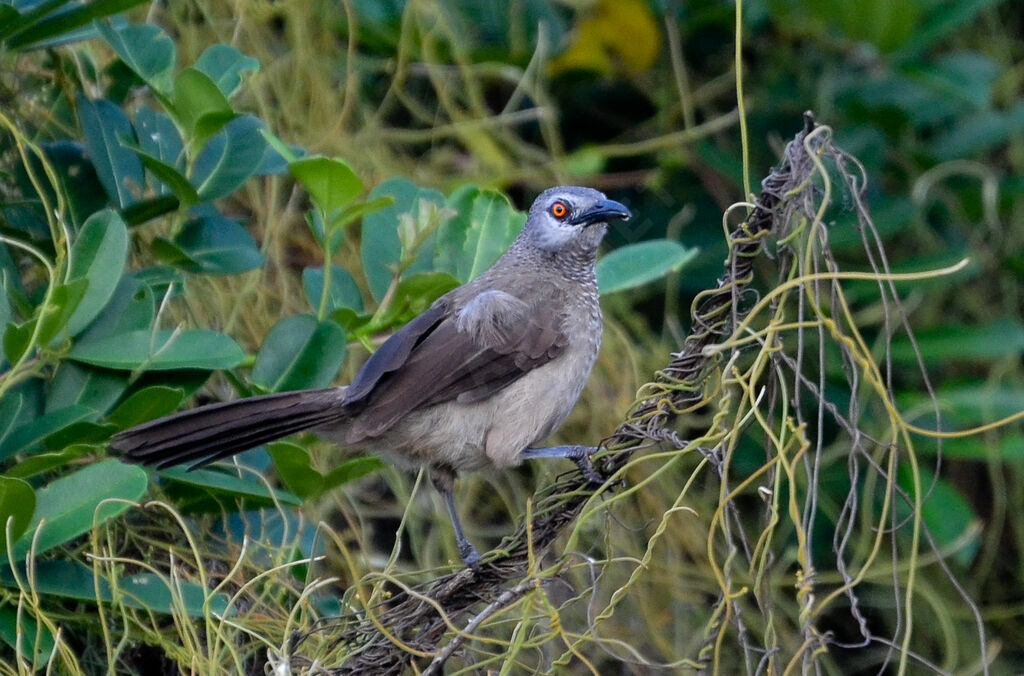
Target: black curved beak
602, 212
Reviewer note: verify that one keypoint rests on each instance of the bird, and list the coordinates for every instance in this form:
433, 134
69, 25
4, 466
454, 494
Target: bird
489, 371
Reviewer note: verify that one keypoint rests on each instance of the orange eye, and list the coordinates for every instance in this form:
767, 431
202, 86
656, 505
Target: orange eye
559, 210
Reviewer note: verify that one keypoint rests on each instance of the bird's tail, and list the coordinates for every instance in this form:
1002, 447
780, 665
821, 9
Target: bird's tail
202, 435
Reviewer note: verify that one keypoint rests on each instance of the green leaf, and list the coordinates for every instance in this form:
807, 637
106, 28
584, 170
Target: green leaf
76, 177
343, 292
147, 50
161, 351
30, 436
380, 248
350, 470
963, 405
57, 314
293, 466
298, 353
147, 591
224, 65
484, 227
946, 513
200, 108
147, 210
37, 30
11, 630
76, 384
331, 183
147, 404
5, 305
636, 264
171, 178
17, 503
46, 462
215, 245
414, 294
131, 307
160, 139
98, 256
950, 342
13, 414
1008, 448
18, 339
221, 484
67, 507
230, 158
120, 171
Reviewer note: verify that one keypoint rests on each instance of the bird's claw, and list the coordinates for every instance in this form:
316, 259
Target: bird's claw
581, 456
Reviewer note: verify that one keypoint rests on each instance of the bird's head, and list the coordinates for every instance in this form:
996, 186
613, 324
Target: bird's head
570, 218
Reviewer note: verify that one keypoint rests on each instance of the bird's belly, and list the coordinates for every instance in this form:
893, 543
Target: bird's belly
489, 433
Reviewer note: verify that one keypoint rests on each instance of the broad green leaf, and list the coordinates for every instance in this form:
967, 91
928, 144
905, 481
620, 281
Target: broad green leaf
77, 384
45, 462
160, 139
66, 508
200, 108
300, 352
215, 245
161, 351
70, 579
171, 178
43, 26
946, 513
17, 503
147, 404
30, 436
343, 291
98, 256
131, 307
147, 210
354, 212
11, 629
414, 294
230, 158
350, 470
636, 264
84, 193
18, 339
484, 226
13, 414
293, 465
230, 486
963, 405
5, 306
147, 50
330, 182
951, 342
1007, 448
225, 65
380, 248
82, 432
64, 301
106, 130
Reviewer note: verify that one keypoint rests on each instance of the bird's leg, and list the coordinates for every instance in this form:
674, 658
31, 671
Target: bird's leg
444, 482
578, 454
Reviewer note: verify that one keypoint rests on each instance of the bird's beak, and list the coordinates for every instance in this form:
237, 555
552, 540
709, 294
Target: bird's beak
602, 212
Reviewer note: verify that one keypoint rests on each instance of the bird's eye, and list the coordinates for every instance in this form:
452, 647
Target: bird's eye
559, 210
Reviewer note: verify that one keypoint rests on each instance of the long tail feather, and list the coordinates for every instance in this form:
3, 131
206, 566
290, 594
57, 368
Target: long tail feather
202, 435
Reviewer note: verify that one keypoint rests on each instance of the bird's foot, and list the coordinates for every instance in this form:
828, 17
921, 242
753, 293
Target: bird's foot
586, 466
578, 454
469, 555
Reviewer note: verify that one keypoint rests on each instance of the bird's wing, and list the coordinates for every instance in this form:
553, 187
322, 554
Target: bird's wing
466, 354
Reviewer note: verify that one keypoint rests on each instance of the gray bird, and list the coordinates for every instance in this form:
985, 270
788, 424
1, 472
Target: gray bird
488, 371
